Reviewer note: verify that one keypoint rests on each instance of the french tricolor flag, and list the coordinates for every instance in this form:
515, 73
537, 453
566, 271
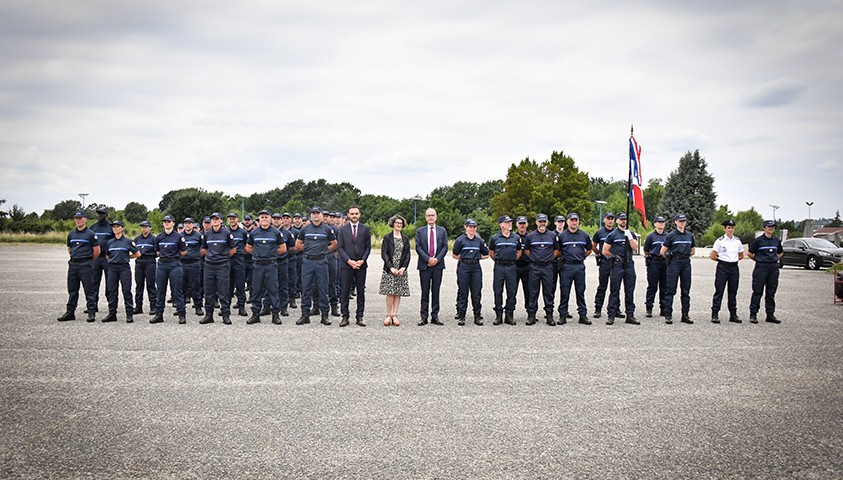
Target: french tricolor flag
636, 192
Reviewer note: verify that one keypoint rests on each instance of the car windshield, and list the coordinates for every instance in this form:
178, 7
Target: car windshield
819, 243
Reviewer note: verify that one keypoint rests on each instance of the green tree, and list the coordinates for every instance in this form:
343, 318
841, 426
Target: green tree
653, 194
747, 223
192, 202
135, 212
65, 209
836, 222
690, 190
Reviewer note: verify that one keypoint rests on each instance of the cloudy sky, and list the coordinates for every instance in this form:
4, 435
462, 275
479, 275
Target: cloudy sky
128, 100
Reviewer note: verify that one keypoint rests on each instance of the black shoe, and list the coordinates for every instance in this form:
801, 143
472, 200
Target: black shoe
216, 304
182, 319
158, 318
284, 312
198, 310
152, 310
620, 315
360, 322
129, 318
208, 318
112, 317
335, 311
461, 322
276, 319
753, 318
293, 304
649, 312
584, 320
68, 316
139, 310
344, 322
325, 320
610, 321
226, 320
436, 321
563, 319
686, 319
265, 311
498, 319
734, 318
531, 319
242, 311
92, 317
772, 319
630, 319
457, 316
305, 318
508, 319
549, 320
255, 318
422, 322
668, 320
478, 320
315, 311
568, 315
715, 318
596, 313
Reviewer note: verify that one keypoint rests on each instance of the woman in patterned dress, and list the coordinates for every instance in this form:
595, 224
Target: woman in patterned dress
395, 251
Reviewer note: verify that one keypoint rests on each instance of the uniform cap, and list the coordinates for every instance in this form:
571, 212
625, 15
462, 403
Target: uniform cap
188, 220
681, 217
169, 218
145, 223
560, 218
206, 220
80, 215
505, 218
102, 210
769, 223
541, 217
233, 214
658, 219
117, 222
470, 222
264, 212
521, 219
621, 216
572, 216
276, 215
248, 216
609, 215
728, 223
285, 214
181, 225
297, 215
316, 210
216, 214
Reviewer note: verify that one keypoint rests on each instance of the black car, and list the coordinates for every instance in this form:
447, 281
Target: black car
811, 253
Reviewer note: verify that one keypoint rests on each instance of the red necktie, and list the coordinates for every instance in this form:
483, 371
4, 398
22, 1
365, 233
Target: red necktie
354, 232
430, 251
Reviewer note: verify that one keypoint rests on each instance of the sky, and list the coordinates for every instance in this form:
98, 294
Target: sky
129, 100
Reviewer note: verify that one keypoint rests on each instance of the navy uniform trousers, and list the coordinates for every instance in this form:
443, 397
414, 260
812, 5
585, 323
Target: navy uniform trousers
216, 280
119, 275
604, 272
523, 278
656, 280
237, 279
283, 285
505, 276
765, 278
541, 278
621, 272
191, 286
145, 277
469, 281
572, 273
293, 261
99, 269
314, 276
169, 271
265, 283
727, 274
678, 272
79, 272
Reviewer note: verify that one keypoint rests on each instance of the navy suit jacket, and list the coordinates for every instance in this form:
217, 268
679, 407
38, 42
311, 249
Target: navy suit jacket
348, 248
422, 246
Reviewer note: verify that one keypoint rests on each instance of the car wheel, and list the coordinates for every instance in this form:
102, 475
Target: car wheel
813, 263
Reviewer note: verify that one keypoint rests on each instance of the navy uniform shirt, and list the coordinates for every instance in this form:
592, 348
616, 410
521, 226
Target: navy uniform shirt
679, 243
103, 233
81, 243
246, 254
599, 238
265, 243
240, 236
146, 245
118, 250
574, 246
316, 239
542, 246
470, 248
617, 240
217, 245
169, 245
524, 260
505, 248
765, 249
193, 244
653, 243
289, 239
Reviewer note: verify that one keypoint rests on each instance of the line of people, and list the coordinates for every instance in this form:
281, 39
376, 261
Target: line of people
323, 260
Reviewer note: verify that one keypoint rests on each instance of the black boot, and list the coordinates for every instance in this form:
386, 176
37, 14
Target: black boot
753, 318
531, 319
715, 318
242, 311
68, 316
139, 310
498, 318
610, 320
630, 319
563, 319
668, 320
158, 318
620, 315
325, 320
478, 320
305, 318
649, 312
284, 312
335, 310
596, 313
508, 319
276, 319
198, 310
255, 318
315, 311
733, 317
549, 320
265, 311
293, 303
182, 318
112, 317
92, 317
686, 319
129, 318
772, 319
152, 310
209, 318
226, 320
584, 320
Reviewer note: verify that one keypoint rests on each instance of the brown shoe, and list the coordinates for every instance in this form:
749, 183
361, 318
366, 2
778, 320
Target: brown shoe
344, 322
360, 322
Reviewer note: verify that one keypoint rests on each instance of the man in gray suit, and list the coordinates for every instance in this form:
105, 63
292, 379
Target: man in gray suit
354, 243
431, 247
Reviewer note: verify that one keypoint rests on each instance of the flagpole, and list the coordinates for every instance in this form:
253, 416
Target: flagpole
628, 192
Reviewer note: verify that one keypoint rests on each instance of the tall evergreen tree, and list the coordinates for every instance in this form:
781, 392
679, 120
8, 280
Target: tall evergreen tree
690, 190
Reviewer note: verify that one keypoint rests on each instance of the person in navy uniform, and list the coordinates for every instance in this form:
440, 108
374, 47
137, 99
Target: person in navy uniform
431, 248
102, 232
727, 252
237, 264
283, 267
118, 252
298, 223
170, 247
505, 248
618, 248
218, 246
145, 267
574, 246
604, 266
522, 265
766, 250
265, 243
678, 249
469, 249
542, 248
292, 260
317, 241
333, 267
656, 266
83, 248
248, 226
354, 244
192, 239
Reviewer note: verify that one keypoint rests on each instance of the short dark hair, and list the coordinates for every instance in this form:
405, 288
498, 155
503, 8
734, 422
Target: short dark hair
352, 206
396, 217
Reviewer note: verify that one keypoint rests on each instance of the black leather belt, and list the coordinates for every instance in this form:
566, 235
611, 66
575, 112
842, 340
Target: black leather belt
315, 257
167, 260
728, 264
470, 262
265, 262
188, 260
680, 257
656, 258
505, 262
80, 260
541, 264
569, 262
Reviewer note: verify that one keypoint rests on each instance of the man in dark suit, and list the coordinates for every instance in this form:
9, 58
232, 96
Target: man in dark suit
354, 243
431, 247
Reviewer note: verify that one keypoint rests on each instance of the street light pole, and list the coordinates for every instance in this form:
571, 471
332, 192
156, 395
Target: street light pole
415, 212
775, 207
809, 209
601, 203
83, 195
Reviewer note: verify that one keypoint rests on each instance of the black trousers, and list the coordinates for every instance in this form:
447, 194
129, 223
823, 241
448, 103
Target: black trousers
99, 269
119, 278
678, 273
431, 282
145, 277
656, 281
237, 278
542, 278
470, 282
621, 273
572, 273
765, 279
727, 274
217, 283
505, 276
80, 273
353, 277
523, 278
604, 272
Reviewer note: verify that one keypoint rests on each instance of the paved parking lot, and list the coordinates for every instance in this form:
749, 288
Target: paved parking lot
650, 401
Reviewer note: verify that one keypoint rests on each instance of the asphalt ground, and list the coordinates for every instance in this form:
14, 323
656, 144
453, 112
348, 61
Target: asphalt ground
199, 401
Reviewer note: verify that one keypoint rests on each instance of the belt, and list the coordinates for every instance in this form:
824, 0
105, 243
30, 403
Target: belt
237, 254
146, 257
541, 264
282, 259
505, 262
656, 258
315, 257
681, 257
80, 260
167, 260
189, 260
728, 264
572, 262
470, 262
265, 262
